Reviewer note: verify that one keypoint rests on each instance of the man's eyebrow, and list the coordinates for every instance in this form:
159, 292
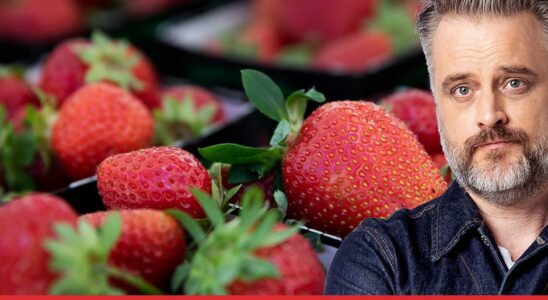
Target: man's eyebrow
518, 70
452, 78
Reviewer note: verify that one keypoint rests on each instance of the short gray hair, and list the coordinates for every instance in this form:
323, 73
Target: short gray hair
433, 11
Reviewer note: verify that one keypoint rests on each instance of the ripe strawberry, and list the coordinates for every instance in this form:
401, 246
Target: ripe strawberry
250, 254
265, 10
354, 53
32, 21
156, 178
150, 245
97, 121
348, 161
76, 62
299, 268
322, 20
25, 224
263, 38
200, 97
417, 109
15, 94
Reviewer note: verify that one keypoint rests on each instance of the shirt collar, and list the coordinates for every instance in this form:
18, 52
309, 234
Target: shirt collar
455, 215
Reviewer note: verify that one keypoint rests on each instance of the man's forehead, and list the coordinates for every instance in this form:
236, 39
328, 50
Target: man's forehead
462, 45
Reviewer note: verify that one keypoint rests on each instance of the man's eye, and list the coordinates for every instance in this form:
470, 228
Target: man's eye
514, 84
462, 91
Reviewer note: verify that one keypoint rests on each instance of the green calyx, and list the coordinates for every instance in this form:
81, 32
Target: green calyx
253, 163
17, 151
111, 61
227, 253
81, 258
181, 120
17, 71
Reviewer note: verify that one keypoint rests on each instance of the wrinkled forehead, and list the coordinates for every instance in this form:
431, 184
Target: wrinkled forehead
472, 44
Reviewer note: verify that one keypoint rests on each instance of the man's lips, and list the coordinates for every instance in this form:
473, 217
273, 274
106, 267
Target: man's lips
495, 145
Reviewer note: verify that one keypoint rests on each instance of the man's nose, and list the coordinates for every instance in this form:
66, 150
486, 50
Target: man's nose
490, 111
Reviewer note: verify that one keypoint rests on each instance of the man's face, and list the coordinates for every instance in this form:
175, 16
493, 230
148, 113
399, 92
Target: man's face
490, 78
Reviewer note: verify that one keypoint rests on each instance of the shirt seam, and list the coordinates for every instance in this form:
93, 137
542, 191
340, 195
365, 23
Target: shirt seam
471, 274
382, 243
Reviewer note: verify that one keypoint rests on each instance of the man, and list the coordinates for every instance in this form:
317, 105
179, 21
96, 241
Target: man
487, 234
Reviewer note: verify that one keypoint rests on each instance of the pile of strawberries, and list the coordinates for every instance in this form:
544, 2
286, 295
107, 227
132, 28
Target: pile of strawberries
336, 35
25, 21
94, 98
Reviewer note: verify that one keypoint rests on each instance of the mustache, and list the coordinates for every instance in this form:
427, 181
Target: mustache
490, 135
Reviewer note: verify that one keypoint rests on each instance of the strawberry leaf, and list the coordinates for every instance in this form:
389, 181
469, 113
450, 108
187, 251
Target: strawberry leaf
281, 202
257, 268
189, 224
238, 154
296, 106
181, 273
280, 134
210, 206
265, 95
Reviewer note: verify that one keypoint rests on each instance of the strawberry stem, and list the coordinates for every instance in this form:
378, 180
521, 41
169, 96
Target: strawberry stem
142, 285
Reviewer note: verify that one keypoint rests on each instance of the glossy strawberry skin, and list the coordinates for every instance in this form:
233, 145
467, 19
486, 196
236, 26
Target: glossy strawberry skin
322, 20
25, 224
417, 109
354, 53
157, 178
32, 21
352, 161
15, 95
97, 121
65, 72
151, 244
300, 271
200, 97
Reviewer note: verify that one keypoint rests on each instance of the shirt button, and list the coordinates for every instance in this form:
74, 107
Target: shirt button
541, 241
485, 240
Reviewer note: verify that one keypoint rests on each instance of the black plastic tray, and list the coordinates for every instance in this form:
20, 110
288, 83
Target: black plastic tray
174, 49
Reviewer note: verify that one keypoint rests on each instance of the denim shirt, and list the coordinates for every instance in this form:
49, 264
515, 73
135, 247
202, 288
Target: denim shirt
440, 247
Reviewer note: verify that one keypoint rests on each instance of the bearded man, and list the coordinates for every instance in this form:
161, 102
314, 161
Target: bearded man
487, 234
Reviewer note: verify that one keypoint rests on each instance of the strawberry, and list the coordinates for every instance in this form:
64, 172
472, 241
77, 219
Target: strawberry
348, 161
97, 121
150, 245
156, 178
251, 254
266, 184
354, 53
263, 38
76, 62
15, 94
322, 20
25, 224
441, 162
265, 10
31, 21
417, 109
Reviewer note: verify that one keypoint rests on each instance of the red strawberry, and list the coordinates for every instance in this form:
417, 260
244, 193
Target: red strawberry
417, 109
299, 268
150, 245
156, 178
265, 10
37, 21
352, 161
354, 53
97, 121
348, 161
200, 98
15, 94
249, 254
25, 224
322, 20
76, 62
440, 161
263, 38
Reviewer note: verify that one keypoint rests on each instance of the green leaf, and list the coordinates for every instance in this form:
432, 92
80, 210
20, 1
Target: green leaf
315, 95
276, 238
230, 193
189, 224
263, 229
257, 268
281, 202
2, 115
264, 94
238, 154
241, 174
24, 148
280, 134
181, 273
111, 230
252, 205
210, 206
